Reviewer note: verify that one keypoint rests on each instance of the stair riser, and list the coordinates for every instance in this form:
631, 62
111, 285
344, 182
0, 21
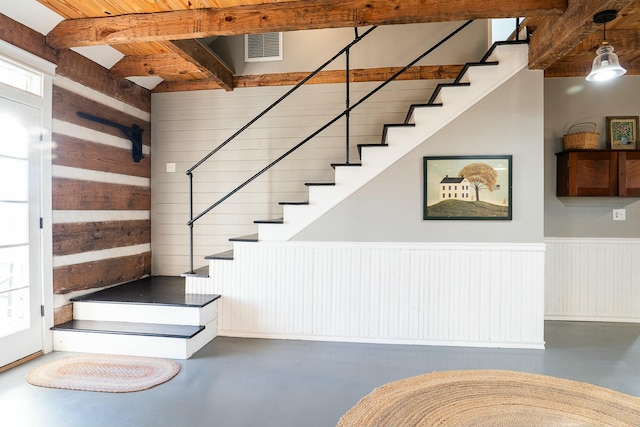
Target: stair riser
133, 345
145, 313
477, 73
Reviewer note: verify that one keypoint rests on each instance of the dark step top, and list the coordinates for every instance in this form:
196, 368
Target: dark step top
161, 290
131, 328
294, 203
269, 221
247, 238
227, 255
326, 184
333, 165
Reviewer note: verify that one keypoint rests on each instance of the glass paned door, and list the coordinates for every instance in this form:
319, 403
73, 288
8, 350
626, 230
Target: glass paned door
20, 279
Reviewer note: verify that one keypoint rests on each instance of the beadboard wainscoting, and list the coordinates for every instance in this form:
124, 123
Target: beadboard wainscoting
593, 279
481, 295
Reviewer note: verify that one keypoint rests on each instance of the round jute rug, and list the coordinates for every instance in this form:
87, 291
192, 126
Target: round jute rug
492, 398
106, 373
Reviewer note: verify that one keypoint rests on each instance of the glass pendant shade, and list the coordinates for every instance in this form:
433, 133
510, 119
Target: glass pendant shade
605, 65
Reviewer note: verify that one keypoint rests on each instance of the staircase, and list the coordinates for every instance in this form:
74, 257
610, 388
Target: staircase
273, 287
449, 100
149, 317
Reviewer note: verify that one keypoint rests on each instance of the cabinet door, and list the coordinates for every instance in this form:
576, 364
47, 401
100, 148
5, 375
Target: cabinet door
587, 173
629, 173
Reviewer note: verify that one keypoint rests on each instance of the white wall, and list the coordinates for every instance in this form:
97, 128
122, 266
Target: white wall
574, 100
389, 208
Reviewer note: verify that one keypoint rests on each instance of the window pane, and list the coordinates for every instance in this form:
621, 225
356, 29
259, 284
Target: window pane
14, 270
14, 224
14, 171
15, 138
14, 311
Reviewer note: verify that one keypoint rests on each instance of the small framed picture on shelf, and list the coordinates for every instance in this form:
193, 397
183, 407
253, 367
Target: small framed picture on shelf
622, 133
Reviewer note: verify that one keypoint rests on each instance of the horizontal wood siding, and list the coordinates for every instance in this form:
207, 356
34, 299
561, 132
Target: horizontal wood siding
79, 153
99, 238
73, 238
88, 195
188, 125
74, 103
97, 274
63, 314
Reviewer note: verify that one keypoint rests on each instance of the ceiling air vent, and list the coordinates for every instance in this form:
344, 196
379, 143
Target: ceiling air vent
263, 47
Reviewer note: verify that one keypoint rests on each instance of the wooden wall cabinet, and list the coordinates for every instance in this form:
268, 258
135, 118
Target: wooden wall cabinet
598, 173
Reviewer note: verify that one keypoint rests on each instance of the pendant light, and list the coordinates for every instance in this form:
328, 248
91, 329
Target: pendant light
605, 65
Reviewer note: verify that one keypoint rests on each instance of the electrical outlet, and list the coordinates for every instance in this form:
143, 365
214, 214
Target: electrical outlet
619, 214
171, 167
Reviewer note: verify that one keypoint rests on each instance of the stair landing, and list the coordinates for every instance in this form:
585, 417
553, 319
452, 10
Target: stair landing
147, 317
163, 290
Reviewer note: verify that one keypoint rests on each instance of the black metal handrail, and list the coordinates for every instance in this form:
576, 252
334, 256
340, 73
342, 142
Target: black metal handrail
344, 113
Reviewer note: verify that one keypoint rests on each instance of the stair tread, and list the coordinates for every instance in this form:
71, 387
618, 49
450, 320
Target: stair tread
158, 290
247, 238
228, 255
333, 165
309, 184
130, 328
294, 203
269, 221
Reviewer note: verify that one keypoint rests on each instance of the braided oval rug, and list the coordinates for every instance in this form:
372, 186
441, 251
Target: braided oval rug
104, 373
492, 398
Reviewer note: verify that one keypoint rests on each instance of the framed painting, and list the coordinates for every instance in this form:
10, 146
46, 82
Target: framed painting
622, 133
467, 187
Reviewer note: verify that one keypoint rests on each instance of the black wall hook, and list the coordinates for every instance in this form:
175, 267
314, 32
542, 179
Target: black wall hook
134, 133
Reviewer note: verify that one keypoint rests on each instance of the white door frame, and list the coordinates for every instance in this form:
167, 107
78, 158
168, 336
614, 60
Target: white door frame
42, 101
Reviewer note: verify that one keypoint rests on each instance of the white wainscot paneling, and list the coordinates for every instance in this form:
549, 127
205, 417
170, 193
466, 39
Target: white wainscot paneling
481, 295
593, 279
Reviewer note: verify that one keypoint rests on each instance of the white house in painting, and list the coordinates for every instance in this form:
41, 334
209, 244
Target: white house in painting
456, 188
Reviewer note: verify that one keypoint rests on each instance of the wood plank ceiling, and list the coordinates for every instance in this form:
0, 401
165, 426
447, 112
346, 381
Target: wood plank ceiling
161, 37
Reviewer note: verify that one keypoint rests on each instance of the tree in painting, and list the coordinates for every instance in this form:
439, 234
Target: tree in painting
481, 176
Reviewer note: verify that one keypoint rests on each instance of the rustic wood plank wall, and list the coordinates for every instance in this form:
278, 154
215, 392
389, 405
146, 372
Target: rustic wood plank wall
101, 198
101, 227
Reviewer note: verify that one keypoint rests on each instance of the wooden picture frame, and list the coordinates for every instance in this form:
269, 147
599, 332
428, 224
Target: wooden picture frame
483, 194
622, 133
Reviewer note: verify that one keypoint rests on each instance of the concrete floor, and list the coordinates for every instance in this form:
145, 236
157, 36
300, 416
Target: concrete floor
249, 382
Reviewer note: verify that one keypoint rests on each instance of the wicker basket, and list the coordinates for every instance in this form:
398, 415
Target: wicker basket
582, 140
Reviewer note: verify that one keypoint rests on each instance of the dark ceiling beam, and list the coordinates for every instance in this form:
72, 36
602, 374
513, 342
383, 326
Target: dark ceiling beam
197, 53
557, 35
287, 16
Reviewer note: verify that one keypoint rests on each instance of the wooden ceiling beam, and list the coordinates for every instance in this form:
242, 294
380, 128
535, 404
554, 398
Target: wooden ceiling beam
288, 16
621, 40
197, 53
162, 64
423, 72
557, 35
